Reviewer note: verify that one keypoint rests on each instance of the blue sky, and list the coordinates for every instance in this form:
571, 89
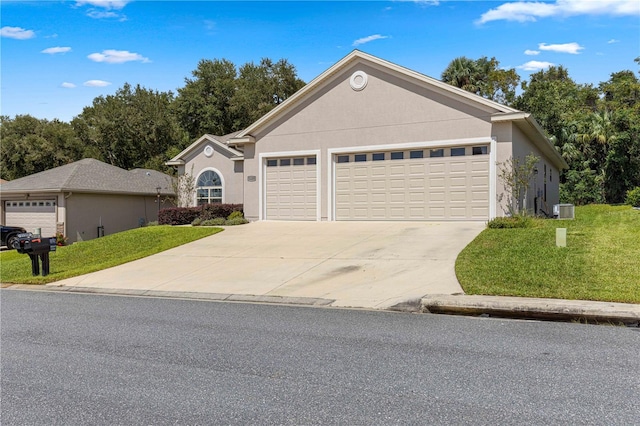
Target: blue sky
57, 56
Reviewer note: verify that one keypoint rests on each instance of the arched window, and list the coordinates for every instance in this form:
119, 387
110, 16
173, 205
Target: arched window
209, 188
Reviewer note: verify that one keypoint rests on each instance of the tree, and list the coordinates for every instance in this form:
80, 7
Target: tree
203, 104
132, 128
220, 99
484, 77
516, 175
30, 145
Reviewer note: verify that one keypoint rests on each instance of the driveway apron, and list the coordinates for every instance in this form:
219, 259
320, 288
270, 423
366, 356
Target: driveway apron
355, 264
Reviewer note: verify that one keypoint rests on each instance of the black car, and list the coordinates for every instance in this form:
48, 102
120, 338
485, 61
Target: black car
9, 235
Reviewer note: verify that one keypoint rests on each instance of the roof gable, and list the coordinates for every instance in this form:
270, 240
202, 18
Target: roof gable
350, 60
218, 141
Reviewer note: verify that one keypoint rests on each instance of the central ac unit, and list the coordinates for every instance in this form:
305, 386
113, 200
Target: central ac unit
563, 211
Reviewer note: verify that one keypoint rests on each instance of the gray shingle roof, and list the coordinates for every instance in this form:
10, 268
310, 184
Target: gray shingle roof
93, 176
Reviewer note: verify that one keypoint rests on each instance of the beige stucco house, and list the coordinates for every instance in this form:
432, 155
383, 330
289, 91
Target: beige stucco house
85, 199
371, 140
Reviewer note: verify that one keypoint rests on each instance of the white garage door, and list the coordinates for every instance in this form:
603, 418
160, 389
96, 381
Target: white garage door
291, 188
419, 184
32, 214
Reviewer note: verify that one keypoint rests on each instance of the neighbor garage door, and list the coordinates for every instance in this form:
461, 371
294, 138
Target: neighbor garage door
418, 184
32, 214
291, 188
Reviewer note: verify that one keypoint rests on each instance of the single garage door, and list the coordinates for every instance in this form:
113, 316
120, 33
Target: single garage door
291, 188
32, 214
417, 184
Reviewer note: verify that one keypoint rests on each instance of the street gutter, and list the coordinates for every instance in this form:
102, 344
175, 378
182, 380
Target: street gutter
533, 308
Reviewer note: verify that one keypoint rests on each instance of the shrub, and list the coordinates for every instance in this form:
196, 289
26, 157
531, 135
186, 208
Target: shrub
633, 197
236, 215
236, 221
518, 221
178, 215
196, 222
212, 211
152, 223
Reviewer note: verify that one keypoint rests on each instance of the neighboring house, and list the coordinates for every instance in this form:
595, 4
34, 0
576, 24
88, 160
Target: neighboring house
85, 199
370, 140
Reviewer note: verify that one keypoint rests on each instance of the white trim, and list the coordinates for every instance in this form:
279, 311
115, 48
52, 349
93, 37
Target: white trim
262, 173
409, 145
331, 152
213, 169
493, 158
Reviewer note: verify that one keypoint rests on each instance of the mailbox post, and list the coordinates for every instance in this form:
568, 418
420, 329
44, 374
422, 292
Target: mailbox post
38, 249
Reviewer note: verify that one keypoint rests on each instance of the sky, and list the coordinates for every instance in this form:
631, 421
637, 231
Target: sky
58, 56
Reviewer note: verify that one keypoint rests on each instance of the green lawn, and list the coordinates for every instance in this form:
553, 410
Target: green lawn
601, 260
101, 253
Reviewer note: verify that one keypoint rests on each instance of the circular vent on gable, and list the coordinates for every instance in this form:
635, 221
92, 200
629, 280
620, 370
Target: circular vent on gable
358, 80
208, 150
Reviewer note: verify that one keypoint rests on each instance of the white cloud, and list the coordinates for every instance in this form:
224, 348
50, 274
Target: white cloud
613, 40
54, 50
527, 11
111, 56
368, 39
17, 33
531, 52
535, 66
572, 48
97, 14
106, 4
69, 85
96, 83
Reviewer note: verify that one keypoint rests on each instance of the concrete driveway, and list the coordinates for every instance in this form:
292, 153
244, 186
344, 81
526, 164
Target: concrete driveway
347, 264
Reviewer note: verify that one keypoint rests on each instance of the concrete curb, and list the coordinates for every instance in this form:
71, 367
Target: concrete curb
532, 308
304, 301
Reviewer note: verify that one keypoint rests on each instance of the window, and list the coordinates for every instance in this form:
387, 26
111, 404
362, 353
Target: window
378, 156
457, 152
298, 161
209, 188
397, 155
285, 161
479, 150
311, 160
416, 154
360, 158
436, 153
343, 158
272, 163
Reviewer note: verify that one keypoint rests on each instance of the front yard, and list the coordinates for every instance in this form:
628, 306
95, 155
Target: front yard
601, 260
101, 253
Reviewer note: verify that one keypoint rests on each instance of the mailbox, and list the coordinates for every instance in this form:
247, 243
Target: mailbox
38, 249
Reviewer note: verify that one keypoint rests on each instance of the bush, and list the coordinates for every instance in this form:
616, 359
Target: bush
152, 223
236, 221
196, 222
178, 215
518, 221
61, 240
236, 215
633, 197
213, 211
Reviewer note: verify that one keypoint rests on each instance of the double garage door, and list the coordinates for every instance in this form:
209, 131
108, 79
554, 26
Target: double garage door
417, 184
32, 214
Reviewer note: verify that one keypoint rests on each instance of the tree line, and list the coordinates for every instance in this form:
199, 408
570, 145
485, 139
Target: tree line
595, 128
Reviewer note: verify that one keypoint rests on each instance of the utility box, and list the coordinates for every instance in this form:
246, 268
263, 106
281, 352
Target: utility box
38, 250
563, 211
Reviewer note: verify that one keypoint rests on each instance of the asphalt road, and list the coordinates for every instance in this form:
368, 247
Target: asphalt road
72, 359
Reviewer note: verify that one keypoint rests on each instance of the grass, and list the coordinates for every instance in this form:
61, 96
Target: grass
101, 253
601, 260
